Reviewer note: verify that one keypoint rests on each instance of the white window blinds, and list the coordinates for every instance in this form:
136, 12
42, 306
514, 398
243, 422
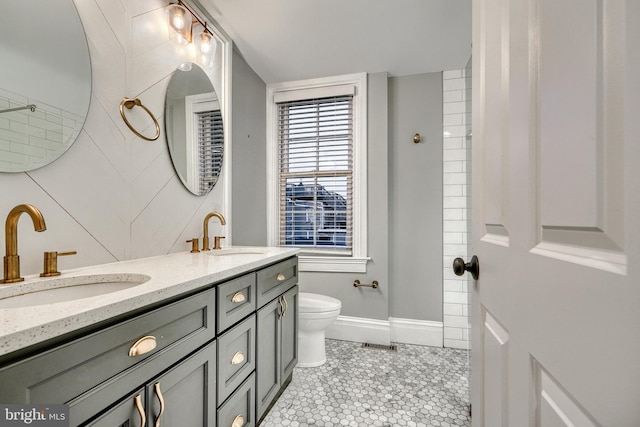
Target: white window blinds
315, 173
210, 148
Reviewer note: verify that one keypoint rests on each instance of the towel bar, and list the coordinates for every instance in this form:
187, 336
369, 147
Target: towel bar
357, 284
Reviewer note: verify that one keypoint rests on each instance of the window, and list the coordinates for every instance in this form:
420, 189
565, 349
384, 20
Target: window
210, 148
317, 168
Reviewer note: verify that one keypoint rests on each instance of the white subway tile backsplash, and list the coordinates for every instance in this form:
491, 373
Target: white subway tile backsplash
456, 157
452, 333
450, 155
454, 107
452, 214
458, 201
453, 309
452, 74
452, 119
453, 96
456, 321
450, 238
455, 298
454, 166
453, 84
454, 178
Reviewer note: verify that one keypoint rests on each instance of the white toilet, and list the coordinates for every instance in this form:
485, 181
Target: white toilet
316, 313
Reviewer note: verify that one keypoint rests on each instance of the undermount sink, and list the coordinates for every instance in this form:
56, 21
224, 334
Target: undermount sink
237, 251
70, 288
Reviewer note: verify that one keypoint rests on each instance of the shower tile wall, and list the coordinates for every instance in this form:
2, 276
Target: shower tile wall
456, 98
30, 145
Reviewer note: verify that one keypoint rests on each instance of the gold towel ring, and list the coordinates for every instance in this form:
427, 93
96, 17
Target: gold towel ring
130, 103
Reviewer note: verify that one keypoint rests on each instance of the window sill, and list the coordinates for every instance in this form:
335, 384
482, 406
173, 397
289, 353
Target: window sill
332, 264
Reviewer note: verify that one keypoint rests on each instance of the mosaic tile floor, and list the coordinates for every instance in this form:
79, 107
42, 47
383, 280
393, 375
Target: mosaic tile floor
416, 386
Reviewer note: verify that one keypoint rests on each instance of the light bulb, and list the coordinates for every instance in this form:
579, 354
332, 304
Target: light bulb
178, 21
205, 43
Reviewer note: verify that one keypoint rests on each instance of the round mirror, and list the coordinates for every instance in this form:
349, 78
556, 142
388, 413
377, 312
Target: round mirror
45, 82
193, 126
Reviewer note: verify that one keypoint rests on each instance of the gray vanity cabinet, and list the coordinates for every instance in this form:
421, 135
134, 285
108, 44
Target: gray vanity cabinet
126, 413
173, 362
277, 344
96, 370
184, 395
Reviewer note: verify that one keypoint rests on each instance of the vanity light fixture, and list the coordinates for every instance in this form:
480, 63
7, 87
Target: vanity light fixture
181, 21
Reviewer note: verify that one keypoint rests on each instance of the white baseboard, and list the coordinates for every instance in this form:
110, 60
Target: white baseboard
359, 329
420, 332
374, 331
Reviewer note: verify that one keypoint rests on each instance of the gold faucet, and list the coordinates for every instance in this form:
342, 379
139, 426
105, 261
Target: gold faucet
11, 258
205, 239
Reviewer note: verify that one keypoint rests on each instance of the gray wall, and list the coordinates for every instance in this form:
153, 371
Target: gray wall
415, 188
367, 302
248, 156
404, 194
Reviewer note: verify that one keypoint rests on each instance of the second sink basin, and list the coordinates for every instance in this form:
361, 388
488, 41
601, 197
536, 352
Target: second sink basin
71, 288
237, 251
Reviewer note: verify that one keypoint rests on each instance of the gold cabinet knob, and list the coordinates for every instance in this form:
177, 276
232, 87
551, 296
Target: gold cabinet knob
142, 346
237, 358
280, 277
238, 297
238, 421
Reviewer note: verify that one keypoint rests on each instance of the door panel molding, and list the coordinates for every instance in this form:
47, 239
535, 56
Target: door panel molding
495, 353
554, 406
577, 109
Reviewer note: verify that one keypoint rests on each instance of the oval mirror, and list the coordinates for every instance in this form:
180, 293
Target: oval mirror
193, 126
45, 82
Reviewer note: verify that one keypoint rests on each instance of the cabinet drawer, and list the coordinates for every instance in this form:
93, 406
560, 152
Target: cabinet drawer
276, 279
236, 356
236, 300
64, 372
239, 409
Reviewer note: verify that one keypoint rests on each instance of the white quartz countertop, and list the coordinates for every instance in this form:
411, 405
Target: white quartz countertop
171, 275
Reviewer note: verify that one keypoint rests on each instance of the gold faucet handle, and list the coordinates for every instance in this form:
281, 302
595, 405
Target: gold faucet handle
51, 263
216, 242
194, 245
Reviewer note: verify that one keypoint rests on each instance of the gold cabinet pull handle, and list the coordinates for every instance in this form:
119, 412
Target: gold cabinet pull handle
286, 305
237, 358
238, 297
142, 346
238, 421
156, 386
140, 408
280, 277
280, 308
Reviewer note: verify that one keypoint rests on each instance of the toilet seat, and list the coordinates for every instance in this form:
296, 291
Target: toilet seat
316, 303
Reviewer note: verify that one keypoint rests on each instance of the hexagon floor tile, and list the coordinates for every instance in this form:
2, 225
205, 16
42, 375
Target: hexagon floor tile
416, 386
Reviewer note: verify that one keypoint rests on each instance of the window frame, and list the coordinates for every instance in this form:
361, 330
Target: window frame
308, 260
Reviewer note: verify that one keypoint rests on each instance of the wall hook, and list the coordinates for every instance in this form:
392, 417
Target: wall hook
416, 138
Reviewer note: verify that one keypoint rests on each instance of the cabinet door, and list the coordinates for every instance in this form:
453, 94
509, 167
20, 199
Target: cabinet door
289, 334
267, 355
128, 413
185, 395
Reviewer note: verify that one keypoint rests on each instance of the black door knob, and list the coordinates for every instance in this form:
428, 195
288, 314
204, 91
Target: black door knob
473, 267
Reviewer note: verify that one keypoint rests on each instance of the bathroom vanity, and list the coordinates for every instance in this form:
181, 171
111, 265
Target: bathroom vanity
209, 340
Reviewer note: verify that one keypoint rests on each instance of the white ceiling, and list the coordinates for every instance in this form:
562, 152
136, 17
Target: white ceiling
284, 40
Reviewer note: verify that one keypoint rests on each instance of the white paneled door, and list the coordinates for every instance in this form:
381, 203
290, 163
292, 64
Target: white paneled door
556, 213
